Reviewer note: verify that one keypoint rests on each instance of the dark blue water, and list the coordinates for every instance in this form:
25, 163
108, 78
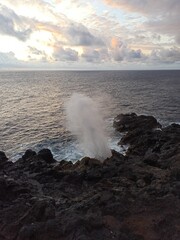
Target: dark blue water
32, 104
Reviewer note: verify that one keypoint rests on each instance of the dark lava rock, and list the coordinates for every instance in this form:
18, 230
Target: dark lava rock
29, 154
145, 136
3, 157
129, 122
11, 188
3, 160
136, 196
90, 162
152, 160
46, 155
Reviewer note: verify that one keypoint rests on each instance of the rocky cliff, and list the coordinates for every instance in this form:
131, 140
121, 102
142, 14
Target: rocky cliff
132, 197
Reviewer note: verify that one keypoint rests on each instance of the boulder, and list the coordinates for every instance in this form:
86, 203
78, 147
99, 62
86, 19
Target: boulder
129, 122
46, 155
28, 154
146, 136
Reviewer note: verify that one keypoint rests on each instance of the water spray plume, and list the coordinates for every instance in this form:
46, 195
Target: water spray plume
85, 122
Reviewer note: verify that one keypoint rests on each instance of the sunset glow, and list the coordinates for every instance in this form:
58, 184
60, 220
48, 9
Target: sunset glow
102, 34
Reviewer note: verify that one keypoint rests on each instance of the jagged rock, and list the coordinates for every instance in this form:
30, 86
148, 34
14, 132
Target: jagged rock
3, 160
152, 160
63, 165
129, 122
10, 189
42, 210
3, 157
115, 159
89, 162
46, 155
136, 196
145, 139
28, 154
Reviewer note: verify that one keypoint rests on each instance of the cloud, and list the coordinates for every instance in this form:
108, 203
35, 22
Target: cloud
165, 26
36, 9
147, 7
95, 55
8, 60
65, 54
79, 35
57, 32
36, 54
13, 25
120, 51
35, 51
116, 51
169, 56
160, 16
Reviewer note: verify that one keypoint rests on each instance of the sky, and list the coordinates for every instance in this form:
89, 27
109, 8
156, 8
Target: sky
84, 34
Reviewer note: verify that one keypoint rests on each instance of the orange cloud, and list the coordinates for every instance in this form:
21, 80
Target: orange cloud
115, 43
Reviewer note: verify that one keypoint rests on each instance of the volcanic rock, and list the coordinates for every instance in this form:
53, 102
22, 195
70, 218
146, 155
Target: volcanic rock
28, 154
129, 122
146, 136
131, 197
3, 157
46, 155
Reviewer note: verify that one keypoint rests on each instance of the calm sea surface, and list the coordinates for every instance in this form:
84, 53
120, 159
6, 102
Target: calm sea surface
32, 105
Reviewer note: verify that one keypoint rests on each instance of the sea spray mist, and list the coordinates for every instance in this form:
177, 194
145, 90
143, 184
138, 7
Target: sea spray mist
85, 122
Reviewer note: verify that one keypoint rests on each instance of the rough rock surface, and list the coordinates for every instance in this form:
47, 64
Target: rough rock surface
132, 197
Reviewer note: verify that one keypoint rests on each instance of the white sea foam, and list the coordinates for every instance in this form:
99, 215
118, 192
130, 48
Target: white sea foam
85, 122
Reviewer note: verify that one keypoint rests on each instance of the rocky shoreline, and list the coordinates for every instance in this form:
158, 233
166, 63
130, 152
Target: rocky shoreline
132, 197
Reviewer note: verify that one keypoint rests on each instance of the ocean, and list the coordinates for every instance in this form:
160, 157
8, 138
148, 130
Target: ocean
33, 103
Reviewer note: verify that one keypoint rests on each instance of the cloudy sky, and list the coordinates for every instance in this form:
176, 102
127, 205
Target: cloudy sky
90, 34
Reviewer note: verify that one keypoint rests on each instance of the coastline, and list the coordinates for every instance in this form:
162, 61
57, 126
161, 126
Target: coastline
135, 196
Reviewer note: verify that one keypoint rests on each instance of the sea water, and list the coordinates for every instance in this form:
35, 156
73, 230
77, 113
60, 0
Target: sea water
33, 114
